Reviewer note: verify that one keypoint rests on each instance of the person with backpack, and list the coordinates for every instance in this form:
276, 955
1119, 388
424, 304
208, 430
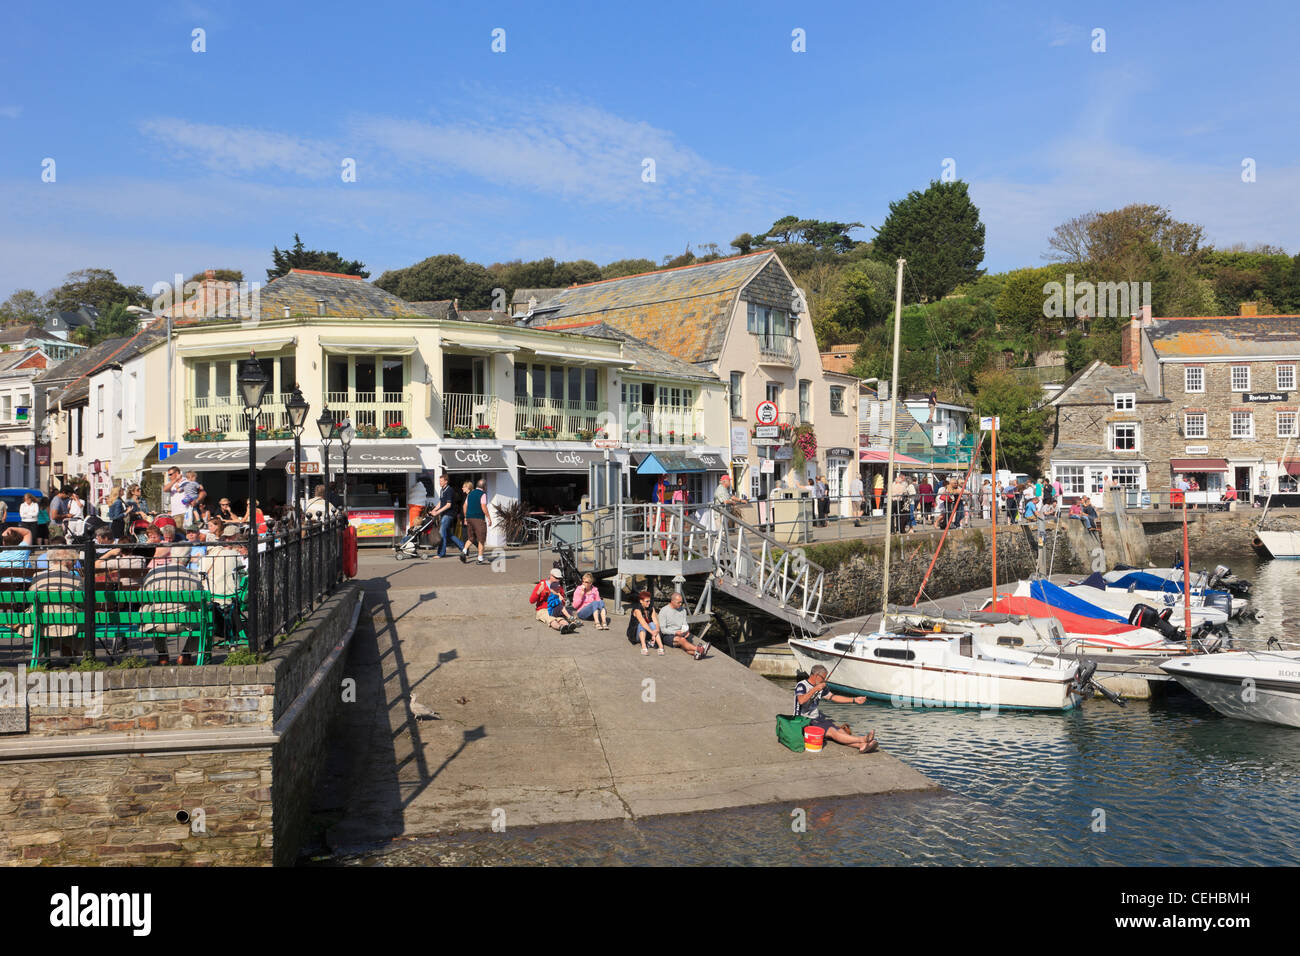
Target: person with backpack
644, 623
541, 600
446, 514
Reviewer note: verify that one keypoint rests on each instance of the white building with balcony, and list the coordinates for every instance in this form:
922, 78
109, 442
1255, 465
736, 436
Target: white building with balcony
428, 391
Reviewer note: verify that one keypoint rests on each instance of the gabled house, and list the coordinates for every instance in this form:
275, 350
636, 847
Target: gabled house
744, 320
62, 324
61, 400
18, 369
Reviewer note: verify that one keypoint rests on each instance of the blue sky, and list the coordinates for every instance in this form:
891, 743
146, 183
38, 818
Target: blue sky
167, 160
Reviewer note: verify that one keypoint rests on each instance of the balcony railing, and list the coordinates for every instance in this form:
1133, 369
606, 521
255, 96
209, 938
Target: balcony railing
223, 415
776, 348
659, 424
563, 421
464, 412
371, 409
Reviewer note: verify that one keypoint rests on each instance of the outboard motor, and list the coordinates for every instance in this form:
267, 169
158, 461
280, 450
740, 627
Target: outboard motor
1143, 615
1222, 578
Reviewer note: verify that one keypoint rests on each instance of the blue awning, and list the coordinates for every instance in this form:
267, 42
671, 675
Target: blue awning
660, 464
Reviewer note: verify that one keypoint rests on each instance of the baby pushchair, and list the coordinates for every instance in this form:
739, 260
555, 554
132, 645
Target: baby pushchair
410, 546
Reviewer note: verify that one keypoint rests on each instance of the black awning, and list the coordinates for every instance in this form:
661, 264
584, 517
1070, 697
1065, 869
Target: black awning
541, 460
376, 459
474, 459
232, 456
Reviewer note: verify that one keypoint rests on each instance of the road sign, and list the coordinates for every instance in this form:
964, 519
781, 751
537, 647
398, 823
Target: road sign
767, 431
606, 443
766, 442
990, 423
166, 449
308, 468
766, 413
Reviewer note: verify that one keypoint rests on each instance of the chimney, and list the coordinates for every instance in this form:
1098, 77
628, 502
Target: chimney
1249, 309
209, 275
320, 306
1131, 343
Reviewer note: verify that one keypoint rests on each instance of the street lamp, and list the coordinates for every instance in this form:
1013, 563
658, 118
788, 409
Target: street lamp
253, 381
297, 408
327, 429
345, 434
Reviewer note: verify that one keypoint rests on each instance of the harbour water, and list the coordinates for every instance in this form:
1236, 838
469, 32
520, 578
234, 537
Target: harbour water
1160, 782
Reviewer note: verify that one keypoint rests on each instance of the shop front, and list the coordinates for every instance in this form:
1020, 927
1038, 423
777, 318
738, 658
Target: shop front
1208, 477
555, 481
839, 477
688, 472
378, 481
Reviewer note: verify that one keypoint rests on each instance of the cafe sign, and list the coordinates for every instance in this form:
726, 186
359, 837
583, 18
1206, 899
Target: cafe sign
1264, 396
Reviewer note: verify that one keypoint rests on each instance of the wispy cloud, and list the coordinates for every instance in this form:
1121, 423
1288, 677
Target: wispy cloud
1060, 33
10, 112
237, 149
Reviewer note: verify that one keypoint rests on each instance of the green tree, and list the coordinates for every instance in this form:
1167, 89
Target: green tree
1023, 419
115, 322
24, 307
1077, 355
94, 287
220, 275
626, 267
939, 233
318, 261
442, 277
1021, 303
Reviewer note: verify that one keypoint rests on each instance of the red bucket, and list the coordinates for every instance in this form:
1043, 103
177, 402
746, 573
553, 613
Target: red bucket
813, 738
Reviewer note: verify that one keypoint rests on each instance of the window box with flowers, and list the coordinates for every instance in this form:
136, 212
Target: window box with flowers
196, 434
367, 431
277, 433
590, 434
396, 430
465, 432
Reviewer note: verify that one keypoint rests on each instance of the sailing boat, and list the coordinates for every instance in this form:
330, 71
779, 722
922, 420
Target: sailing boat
937, 669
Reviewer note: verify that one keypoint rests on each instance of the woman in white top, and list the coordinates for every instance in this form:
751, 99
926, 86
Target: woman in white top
76, 509
28, 512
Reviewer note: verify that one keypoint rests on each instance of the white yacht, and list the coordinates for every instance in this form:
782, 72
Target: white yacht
1263, 686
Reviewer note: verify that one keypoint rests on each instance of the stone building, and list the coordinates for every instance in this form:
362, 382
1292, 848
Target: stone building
1210, 398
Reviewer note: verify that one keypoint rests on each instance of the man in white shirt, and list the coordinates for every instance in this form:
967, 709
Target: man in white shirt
674, 626
855, 498
172, 488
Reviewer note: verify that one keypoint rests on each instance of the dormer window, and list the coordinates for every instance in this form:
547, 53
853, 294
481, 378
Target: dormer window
1125, 401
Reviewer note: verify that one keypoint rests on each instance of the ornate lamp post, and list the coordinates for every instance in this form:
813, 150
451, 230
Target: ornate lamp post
297, 408
345, 435
327, 430
253, 382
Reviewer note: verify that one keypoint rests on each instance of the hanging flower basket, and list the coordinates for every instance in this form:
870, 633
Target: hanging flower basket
805, 445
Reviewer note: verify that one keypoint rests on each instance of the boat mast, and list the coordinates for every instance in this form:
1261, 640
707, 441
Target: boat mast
997, 498
893, 437
1281, 464
1187, 582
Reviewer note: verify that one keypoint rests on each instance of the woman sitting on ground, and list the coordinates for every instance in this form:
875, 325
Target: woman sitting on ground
588, 605
645, 624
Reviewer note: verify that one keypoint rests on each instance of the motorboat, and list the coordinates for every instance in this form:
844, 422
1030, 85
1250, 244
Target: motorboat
1263, 686
1105, 637
1093, 592
1146, 586
944, 670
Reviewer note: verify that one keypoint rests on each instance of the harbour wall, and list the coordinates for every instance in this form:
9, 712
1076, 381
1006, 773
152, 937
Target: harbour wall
175, 765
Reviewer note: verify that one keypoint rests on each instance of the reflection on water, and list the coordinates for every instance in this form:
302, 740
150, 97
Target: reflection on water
1172, 782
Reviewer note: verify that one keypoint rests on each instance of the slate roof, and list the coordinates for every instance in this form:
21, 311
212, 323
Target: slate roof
521, 296
86, 315
685, 311
21, 333
344, 295
1225, 336
437, 308
649, 360
1098, 383
14, 358
73, 371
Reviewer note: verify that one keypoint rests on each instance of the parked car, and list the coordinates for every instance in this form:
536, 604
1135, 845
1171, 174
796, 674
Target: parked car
13, 497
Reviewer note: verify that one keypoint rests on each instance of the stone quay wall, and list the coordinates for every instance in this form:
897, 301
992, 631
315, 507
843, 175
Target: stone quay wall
177, 765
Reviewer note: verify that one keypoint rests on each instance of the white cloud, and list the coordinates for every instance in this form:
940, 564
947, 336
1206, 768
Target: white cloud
235, 149
10, 112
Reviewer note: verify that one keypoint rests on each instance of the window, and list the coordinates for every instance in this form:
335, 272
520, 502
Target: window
837, 400
737, 395
1127, 476
1194, 425
1241, 378
99, 411
1124, 401
7, 409
774, 393
1071, 479
1288, 484
1286, 425
1285, 378
1193, 379
805, 401
1124, 436
1243, 425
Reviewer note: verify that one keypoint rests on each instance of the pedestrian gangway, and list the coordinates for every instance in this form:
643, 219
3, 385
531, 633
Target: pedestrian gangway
710, 545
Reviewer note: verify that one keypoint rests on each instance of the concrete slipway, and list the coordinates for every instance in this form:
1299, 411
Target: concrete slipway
539, 728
